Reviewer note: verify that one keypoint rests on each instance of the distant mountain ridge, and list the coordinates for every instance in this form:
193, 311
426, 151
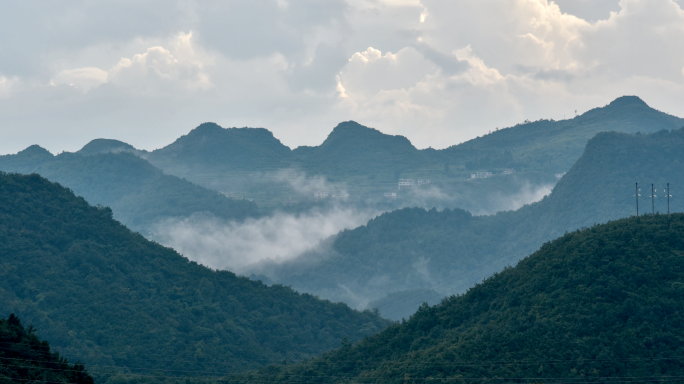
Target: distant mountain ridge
211, 146
366, 162
557, 144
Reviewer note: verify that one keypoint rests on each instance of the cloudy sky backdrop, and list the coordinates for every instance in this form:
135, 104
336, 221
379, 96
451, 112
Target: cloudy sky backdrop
436, 71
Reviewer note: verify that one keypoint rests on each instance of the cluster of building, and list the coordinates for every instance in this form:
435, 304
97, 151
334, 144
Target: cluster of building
407, 183
233, 196
560, 175
485, 175
325, 194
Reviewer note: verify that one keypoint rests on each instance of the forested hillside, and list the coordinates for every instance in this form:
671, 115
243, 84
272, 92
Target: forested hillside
554, 146
26, 359
118, 302
138, 193
450, 250
598, 305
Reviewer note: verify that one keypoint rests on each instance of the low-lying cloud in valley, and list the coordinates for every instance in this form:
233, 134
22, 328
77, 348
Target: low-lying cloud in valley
234, 245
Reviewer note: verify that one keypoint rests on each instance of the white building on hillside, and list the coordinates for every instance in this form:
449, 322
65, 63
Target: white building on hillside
390, 195
424, 181
320, 195
480, 175
405, 183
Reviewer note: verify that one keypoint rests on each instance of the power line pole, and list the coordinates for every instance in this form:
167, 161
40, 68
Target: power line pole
636, 196
652, 201
668, 200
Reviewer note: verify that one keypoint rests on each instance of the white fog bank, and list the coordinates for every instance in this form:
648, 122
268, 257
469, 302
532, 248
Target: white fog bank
232, 246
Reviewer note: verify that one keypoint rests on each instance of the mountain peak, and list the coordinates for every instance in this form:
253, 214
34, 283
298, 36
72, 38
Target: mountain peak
105, 146
627, 101
352, 127
35, 150
353, 131
206, 128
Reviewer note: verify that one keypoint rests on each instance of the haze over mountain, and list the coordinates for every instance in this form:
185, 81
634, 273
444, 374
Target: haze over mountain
139, 194
450, 250
598, 305
365, 164
112, 299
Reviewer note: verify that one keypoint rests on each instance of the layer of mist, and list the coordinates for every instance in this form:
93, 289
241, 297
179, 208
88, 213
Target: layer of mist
476, 201
233, 245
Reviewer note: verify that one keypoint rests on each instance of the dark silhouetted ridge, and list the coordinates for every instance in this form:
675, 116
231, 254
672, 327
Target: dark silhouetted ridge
25, 358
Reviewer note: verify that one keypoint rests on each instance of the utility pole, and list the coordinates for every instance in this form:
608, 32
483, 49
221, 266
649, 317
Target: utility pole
668, 200
652, 201
636, 196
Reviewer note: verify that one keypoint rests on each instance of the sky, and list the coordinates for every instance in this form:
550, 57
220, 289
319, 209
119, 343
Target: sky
438, 72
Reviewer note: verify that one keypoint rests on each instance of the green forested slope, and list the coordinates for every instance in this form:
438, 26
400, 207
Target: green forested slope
108, 297
138, 193
597, 305
450, 250
26, 359
554, 146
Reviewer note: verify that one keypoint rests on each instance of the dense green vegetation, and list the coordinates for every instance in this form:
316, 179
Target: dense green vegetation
139, 194
450, 250
602, 304
554, 146
24, 358
110, 298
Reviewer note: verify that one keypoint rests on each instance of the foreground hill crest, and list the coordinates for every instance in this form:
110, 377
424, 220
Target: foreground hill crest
595, 305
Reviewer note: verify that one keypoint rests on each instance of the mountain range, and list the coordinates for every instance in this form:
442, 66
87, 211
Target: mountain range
366, 163
448, 251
